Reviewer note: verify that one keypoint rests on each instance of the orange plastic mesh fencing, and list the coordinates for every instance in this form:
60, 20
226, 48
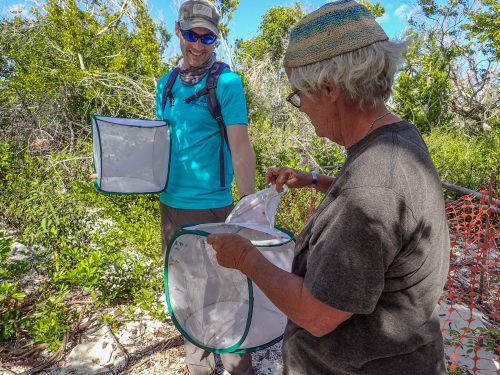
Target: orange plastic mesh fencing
471, 300
469, 308
296, 206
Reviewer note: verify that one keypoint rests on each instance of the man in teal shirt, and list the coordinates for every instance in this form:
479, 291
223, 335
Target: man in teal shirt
194, 193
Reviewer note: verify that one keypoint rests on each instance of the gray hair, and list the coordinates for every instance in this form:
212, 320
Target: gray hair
365, 76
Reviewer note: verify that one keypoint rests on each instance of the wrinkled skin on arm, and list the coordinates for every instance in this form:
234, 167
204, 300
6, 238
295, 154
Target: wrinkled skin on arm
284, 289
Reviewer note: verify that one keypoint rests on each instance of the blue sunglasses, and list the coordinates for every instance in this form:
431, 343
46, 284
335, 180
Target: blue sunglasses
192, 37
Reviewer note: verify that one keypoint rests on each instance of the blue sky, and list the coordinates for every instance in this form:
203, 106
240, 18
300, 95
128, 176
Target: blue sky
247, 17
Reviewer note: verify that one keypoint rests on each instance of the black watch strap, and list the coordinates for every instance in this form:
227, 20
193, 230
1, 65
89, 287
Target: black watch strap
314, 178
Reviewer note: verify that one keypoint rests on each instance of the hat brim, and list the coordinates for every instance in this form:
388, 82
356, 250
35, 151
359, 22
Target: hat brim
198, 22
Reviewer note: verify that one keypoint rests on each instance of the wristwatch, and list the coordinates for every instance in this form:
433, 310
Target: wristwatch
315, 179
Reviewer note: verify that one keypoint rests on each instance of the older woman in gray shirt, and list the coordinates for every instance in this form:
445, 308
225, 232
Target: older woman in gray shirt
371, 263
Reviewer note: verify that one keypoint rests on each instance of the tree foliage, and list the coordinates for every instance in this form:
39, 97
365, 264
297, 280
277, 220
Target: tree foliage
423, 87
274, 31
484, 26
272, 38
73, 58
226, 10
450, 74
377, 9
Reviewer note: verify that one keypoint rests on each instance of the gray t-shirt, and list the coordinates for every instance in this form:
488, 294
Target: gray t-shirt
378, 246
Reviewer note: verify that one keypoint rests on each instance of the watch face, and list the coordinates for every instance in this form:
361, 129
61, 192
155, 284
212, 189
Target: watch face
314, 178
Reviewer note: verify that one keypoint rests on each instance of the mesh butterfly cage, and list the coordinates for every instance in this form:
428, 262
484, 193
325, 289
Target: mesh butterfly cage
220, 309
131, 156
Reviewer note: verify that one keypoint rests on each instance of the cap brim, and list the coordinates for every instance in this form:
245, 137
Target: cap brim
191, 24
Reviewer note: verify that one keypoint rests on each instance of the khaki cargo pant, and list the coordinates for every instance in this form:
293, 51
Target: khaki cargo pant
199, 361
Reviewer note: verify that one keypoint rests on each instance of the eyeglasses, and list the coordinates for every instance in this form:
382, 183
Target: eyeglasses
294, 99
192, 37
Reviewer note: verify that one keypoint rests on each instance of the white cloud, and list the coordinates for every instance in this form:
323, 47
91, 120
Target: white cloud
11, 10
161, 16
15, 8
403, 12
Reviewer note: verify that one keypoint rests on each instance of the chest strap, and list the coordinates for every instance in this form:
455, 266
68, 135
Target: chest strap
213, 106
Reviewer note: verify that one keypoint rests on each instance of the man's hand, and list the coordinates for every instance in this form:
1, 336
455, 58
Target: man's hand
233, 251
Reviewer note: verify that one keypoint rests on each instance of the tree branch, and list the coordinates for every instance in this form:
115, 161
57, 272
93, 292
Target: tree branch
465, 191
115, 21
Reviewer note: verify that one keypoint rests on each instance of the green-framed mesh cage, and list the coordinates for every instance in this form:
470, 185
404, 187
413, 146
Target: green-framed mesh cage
220, 309
131, 156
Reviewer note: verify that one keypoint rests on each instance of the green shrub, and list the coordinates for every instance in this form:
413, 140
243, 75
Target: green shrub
50, 323
82, 241
5, 160
10, 298
465, 161
5, 244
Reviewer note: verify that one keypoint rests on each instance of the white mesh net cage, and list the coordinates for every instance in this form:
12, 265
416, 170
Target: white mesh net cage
131, 156
217, 308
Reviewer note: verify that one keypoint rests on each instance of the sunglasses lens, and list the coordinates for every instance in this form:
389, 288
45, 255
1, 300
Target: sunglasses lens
190, 36
208, 38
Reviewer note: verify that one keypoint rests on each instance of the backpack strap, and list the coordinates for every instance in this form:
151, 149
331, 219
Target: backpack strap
167, 90
215, 110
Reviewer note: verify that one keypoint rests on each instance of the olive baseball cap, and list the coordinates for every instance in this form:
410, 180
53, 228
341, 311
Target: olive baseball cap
199, 13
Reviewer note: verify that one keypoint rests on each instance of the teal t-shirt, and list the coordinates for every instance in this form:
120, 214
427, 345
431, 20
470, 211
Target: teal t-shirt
194, 178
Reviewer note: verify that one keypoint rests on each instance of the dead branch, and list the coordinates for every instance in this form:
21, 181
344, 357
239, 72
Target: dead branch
465, 191
123, 349
115, 21
169, 343
82, 62
40, 6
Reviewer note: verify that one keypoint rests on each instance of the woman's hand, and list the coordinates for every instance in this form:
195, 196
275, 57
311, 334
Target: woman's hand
287, 176
232, 250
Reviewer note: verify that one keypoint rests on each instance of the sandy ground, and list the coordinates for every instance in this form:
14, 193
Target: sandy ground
148, 346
